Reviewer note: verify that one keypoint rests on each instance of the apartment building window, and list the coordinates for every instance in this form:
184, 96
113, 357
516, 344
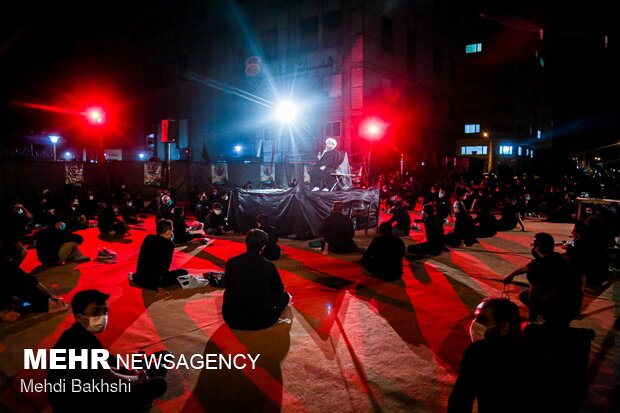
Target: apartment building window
520, 151
505, 150
473, 48
332, 129
309, 35
532, 153
474, 150
332, 29
539, 134
387, 34
472, 128
541, 61
437, 61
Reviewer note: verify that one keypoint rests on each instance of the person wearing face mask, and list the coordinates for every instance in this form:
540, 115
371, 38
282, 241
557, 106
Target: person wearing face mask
74, 216
181, 236
153, 270
464, 233
272, 249
56, 246
90, 310
17, 224
549, 273
433, 227
485, 375
215, 223
109, 222
164, 210
129, 213
90, 205
202, 207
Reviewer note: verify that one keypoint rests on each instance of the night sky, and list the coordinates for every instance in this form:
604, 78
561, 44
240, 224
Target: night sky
44, 58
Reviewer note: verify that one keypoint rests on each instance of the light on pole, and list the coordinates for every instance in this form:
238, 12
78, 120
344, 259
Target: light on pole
54, 139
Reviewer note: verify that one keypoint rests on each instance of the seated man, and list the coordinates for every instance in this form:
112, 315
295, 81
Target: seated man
164, 210
511, 216
254, 296
495, 333
109, 223
464, 233
26, 287
56, 246
433, 226
90, 309
338, 232
401, 219
129, 213
272, 249
153, 270
215, 223
181, 236
549, 273
384, 256
74, 216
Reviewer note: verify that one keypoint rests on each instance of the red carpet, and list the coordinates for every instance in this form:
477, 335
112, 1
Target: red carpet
353, 344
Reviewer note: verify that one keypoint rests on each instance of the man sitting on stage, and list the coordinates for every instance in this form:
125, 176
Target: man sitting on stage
338, 232
328, 160
255, 295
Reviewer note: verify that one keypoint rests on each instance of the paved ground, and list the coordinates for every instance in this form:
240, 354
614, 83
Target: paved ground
353, 344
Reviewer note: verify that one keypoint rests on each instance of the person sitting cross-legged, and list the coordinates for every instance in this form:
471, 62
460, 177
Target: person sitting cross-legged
181, 236
338, 232
90, 309
401, 219
109, 222
255, 295
56, 246
215, 223
384, 256
153, 270
433, 227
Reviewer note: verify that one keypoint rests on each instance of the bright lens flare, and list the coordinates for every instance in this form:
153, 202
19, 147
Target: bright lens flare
95, 116
286, 112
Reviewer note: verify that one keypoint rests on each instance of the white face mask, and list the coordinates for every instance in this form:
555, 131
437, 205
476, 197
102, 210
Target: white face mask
20, 211
477, 331
97, 324
129, 204
217, 211
91, 197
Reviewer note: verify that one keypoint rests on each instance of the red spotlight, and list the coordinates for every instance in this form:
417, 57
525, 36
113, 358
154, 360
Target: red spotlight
95, 116
373, 128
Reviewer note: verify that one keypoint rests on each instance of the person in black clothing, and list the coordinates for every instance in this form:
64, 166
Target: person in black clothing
433, 226
109, 223
511, 216
443, 204
254, 297
401, 219
215, 223
90, 205
203, 207
549, 273
272, 249
486, 223
55, 245
559, 355
338, 232
321, 175
483, 377
129, 213
464, 232
26, 287
153, 270
164, 210
17, 223
181, 236
384, 256
90, 309
74, 216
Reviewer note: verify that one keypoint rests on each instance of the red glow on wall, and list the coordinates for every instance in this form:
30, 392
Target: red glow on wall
373, 128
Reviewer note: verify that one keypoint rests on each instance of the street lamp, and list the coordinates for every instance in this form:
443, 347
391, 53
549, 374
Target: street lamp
54, 139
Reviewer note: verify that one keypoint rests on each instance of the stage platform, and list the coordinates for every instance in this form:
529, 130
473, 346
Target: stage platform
297, 213
353, 344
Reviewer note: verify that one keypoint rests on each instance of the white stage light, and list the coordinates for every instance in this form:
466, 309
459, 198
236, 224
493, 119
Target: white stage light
286, 112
